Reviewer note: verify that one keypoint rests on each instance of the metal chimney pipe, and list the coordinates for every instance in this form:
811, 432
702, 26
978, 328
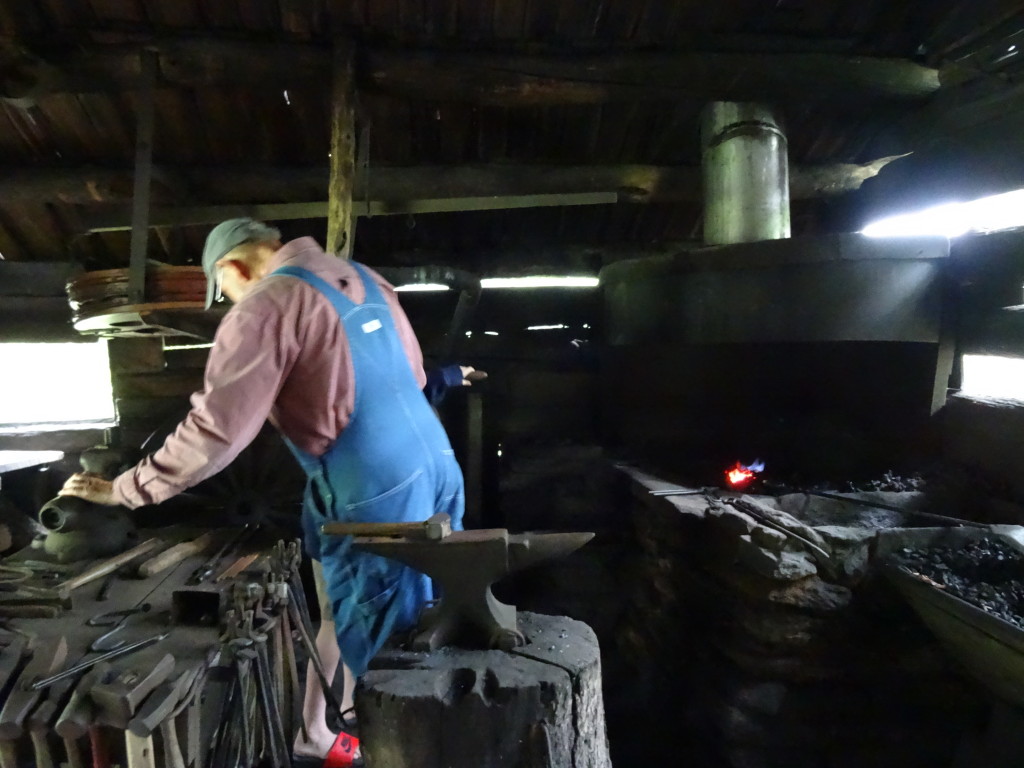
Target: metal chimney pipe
746, 174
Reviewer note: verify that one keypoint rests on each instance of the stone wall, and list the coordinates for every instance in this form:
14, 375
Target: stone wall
764, 658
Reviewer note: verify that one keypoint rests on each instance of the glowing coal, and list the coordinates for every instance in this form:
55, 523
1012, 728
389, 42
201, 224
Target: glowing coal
741, 474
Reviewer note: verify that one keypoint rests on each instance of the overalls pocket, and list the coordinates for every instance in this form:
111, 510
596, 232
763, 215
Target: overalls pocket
397, 504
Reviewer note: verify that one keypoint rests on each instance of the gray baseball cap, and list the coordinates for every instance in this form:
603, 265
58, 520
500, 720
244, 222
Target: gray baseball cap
224, 238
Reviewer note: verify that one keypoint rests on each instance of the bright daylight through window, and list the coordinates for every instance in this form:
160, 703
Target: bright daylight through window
987, 214
992, 376
38, 389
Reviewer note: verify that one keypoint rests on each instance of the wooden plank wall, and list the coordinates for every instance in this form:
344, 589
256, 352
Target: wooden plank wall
152, 386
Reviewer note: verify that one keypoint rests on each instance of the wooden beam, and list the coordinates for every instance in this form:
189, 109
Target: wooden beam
145, 125
522, 80
117, 220
634, 183
42, 279
340, 221
85, 184
843, 81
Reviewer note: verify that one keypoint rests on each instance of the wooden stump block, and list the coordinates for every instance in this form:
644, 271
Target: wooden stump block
539, 706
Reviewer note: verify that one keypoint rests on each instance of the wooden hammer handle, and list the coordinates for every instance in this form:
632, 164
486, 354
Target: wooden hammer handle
371, 529
107, 566
436, 527
175, 555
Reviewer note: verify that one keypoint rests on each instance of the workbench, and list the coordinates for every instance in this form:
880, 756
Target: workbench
169, 702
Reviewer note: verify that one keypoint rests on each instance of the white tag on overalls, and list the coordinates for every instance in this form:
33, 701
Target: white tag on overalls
370, 327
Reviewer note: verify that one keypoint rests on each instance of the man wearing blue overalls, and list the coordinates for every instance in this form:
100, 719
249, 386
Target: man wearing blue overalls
321, 347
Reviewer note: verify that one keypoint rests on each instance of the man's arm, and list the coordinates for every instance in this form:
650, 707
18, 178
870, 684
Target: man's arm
248, 362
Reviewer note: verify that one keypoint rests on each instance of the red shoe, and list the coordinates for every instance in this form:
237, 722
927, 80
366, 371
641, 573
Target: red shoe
341, 755
343, 752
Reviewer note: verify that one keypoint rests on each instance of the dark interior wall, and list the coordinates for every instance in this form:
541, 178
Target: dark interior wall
986, 438
540, 402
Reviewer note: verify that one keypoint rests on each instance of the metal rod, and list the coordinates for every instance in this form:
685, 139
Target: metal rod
84, 665
892, 508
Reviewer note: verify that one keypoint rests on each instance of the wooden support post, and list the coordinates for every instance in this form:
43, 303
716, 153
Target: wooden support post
340, 228
473, 458
947, 352
143, 175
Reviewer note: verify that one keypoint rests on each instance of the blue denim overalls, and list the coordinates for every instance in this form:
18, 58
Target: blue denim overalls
392, 463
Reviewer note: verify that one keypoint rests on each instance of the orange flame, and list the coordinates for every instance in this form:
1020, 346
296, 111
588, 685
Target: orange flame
739, 475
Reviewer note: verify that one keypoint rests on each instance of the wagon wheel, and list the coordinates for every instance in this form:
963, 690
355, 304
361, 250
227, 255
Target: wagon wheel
264, 484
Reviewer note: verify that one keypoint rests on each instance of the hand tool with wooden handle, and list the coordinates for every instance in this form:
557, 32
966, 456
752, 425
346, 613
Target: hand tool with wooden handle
205, 571
79, 714
107, 566
30, 611
161, 703
41, 722
433, 528
41, 748
139, 751
175, 555
172, 748
238, 566
10, 658
48, 656
117, 699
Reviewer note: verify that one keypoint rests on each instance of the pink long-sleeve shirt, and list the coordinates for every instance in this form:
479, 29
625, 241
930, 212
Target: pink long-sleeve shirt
280, 353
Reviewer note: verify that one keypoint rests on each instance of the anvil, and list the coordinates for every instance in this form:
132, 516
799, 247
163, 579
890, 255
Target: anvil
465, 564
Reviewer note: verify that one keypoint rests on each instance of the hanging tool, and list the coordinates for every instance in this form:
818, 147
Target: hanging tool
107, 566
206, 570
175, 555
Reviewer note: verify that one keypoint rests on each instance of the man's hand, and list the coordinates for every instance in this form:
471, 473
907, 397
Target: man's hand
471, 374
89, 487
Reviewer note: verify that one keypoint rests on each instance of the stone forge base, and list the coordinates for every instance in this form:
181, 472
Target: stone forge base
539, 706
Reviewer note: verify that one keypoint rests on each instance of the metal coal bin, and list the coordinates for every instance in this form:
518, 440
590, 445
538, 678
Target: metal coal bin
990, 648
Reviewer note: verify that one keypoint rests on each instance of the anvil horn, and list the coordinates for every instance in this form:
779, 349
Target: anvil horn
527, 549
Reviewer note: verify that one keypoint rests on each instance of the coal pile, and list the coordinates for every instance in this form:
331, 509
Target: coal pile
889, 481
987, 573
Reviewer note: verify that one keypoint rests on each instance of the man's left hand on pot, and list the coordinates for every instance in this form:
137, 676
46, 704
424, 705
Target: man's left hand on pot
89, 487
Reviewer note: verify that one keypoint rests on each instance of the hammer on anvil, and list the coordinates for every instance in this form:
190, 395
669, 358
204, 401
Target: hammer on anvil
465, 564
